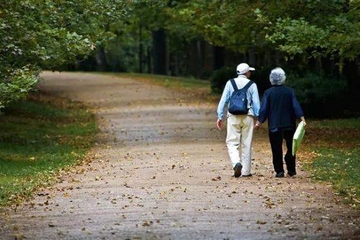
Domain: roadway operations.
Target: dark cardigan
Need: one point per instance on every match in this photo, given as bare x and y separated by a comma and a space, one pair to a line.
280, 106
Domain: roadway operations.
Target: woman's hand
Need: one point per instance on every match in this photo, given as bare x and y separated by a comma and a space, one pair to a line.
303, 119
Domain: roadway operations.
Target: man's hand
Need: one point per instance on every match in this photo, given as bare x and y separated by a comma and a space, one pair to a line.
219, 124
257, 125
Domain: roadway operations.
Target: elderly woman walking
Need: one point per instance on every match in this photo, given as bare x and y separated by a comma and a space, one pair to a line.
281, 108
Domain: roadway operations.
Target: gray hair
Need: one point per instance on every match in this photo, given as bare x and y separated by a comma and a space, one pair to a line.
277, 76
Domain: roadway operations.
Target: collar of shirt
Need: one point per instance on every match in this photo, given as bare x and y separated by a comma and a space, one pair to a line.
242, 76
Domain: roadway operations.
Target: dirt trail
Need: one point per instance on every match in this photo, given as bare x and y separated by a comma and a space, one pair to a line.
161, 171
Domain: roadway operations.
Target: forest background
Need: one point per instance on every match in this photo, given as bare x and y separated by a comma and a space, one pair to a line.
316, 42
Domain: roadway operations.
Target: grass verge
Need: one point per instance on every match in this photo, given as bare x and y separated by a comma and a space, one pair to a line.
335, 145
38, 137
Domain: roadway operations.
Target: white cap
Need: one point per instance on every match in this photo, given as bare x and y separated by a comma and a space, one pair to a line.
243, 68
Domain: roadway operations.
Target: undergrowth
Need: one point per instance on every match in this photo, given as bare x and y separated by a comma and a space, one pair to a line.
336, 158
38, 137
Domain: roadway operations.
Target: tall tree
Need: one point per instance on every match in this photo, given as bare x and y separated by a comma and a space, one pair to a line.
36, 34
317, 28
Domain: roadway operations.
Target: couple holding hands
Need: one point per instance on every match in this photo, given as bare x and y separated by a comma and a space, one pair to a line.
278, 106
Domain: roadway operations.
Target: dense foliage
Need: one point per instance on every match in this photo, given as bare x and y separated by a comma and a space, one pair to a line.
47, 34
182, 38
318, 28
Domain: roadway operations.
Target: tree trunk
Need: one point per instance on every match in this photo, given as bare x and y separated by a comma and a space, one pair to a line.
159, 52
100, 60
218, 56
141, 52
149, 61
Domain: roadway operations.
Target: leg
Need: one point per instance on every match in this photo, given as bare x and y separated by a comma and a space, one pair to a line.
246, 143
289, 158
233, 140
276, 140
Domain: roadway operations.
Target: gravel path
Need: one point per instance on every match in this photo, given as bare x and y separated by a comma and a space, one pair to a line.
161, 171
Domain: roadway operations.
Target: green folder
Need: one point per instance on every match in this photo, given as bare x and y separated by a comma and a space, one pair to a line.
298, 137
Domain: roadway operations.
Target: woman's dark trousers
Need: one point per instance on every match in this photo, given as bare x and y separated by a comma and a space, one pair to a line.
276, 142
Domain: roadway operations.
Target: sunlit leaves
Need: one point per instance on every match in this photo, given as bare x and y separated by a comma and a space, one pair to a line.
295, 36
222, 23
19, 83
48, 34
317, 28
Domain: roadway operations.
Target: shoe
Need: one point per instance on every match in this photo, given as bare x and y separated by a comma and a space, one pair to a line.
237, 170
291, 174
248, 175
280, 175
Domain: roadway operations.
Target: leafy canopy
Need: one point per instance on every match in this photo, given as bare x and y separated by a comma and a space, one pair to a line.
37, 34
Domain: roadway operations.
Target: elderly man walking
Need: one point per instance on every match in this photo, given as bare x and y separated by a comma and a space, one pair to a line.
240, 127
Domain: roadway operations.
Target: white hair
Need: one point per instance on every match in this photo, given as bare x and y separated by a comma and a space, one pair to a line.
277, 76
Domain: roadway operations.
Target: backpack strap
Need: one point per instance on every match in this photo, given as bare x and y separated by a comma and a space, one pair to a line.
248, 84
234, 84
245, 87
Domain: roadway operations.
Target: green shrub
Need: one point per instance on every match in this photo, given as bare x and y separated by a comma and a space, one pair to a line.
321, 96
219, 78
316, 87
261, 77
16, 85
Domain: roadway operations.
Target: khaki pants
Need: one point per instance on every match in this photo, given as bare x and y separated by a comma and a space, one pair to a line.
239, 140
